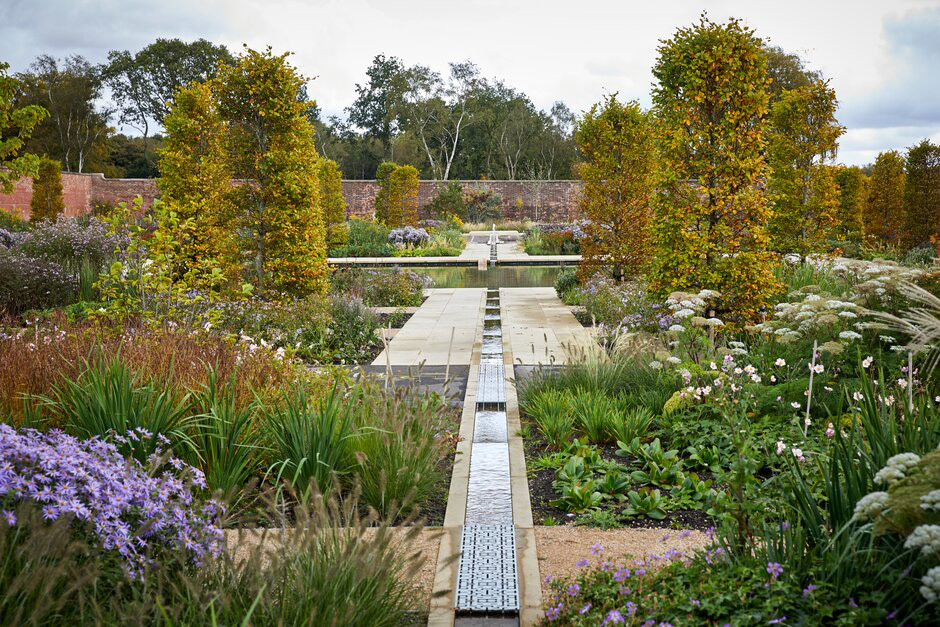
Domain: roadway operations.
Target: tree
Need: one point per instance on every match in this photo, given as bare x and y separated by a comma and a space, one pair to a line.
403, 197
69, 90
922, 195
787, 71
377, 104
195, 181
853, 198
383, 179
270, 142
16, 124
143, 84
334, 205
437, 111
711, 210
46, 202
802, 186
615, 141
884, 215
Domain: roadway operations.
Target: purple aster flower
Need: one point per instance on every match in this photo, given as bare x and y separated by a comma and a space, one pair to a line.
583, 563
774, 569
597, 549
585, 609
573, 589
808, 589
614, 617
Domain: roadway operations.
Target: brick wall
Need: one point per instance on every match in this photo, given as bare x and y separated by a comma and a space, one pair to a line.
543, 201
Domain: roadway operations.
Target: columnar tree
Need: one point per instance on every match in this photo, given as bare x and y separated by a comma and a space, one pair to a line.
334, 204
617, 171
270, 142
711, 208
403, 197
853, 197
884, 215
804, 134
922, 195
47, 201
16, 124
195, 179
382, 178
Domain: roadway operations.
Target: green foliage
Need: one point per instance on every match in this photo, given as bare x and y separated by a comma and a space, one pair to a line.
884, 213
11, 221
402, 197
802, 186
269, 140
922, 195
711, 95
108, 400
617, 171
382, 197
565, 283
853, 199
551, 411
311, 440
227, 439
46, 202
16, 124
395, 287
334, 204
483, 205
449, 202
366, 239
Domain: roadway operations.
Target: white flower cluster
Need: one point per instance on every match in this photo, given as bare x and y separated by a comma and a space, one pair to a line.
931, 588
926, 538
896, 468
931, 501
870, 506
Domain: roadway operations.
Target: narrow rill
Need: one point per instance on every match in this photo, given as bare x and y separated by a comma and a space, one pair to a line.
487, 583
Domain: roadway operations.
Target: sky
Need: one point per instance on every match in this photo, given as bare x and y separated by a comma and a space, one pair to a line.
882, 57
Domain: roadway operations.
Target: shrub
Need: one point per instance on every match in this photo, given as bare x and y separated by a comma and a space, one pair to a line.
449, 202
47, 203
482, 205
30, 283
623, 306
408, 236
403, 197
72, 242
921, 256
11, 221
366, 239
566, 282
380, 287
334, 204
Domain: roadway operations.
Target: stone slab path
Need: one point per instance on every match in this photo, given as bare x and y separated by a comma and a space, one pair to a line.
541, 329
426, 336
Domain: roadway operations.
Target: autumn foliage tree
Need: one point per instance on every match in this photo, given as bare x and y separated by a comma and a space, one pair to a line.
884, 214
383, 179
805, 197
47, 201
195, 179
270, 141
334, 204
853, 198
617, 170
403, 197
711, 209
922, 195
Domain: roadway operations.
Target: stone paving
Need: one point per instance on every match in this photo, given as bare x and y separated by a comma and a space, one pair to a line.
426, 337
541, 329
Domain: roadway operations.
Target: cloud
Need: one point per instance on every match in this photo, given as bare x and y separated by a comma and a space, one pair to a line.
910, 95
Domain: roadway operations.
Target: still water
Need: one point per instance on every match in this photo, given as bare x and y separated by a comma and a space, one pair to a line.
495, 276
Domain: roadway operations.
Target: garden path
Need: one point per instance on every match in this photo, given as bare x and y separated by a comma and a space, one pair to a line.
541, 329
426, 336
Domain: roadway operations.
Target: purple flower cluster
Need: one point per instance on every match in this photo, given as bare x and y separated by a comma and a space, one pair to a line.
69, 241
408, 236
129, 509
9, 239
32, 283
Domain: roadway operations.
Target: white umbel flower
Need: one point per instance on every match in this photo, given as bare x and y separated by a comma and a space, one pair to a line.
931, 501
870, 506
931, 588
896, 468
926, 538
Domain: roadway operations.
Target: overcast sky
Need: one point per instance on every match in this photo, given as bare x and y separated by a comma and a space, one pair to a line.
883, 57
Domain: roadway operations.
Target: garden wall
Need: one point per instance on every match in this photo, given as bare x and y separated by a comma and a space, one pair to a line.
541, 201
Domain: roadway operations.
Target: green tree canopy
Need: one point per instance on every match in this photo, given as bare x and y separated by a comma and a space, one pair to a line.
922, 194
16, 125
